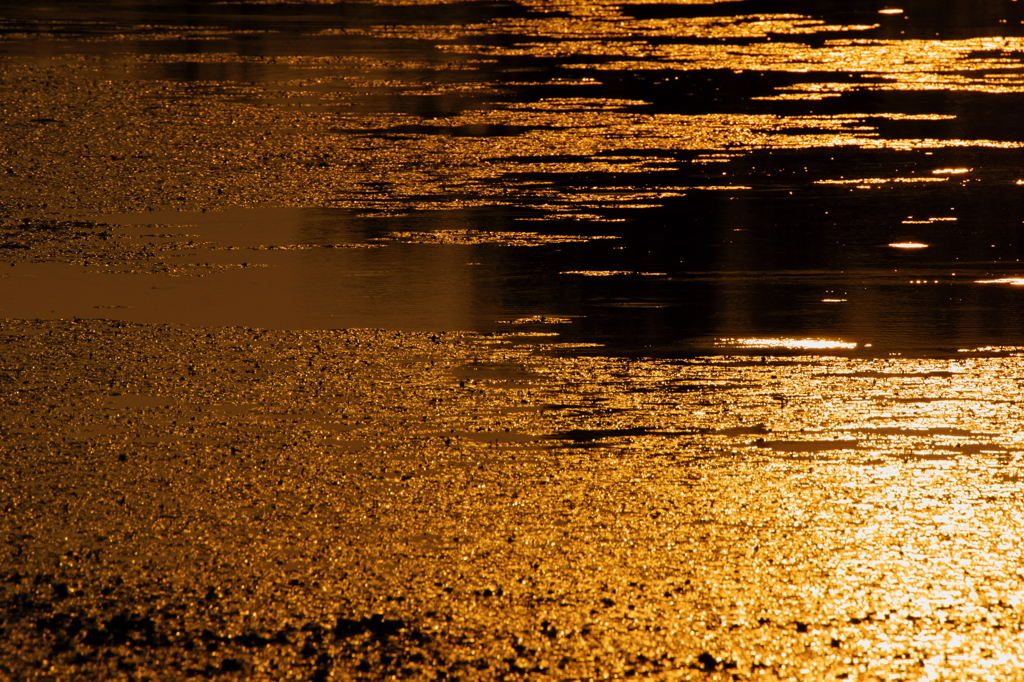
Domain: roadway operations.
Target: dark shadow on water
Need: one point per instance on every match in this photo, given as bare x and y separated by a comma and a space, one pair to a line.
733, 270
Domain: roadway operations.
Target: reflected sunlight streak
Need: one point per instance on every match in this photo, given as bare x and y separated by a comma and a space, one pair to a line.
787, 343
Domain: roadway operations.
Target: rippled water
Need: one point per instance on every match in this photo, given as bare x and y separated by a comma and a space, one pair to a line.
651, 176
818, 203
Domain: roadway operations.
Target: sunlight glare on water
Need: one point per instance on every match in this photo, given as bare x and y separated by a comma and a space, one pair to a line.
734, 289
788, 344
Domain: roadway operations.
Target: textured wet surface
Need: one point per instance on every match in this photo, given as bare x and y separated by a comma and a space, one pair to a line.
511, 340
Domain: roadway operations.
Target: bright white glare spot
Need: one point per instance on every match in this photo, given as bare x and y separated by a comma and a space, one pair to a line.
890, 11
950, 171
833, 300
908, 245
1015, 281
806, 344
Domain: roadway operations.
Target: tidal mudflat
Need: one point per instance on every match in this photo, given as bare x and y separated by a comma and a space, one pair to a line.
513, 340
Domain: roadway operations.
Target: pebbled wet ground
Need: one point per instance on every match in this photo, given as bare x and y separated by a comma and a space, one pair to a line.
729, 387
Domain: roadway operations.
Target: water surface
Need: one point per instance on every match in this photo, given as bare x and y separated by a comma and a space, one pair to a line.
652, 177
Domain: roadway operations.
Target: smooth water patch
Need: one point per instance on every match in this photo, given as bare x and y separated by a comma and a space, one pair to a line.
478, 270
293, 294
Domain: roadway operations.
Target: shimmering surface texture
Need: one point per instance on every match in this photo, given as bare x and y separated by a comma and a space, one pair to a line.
242, 504
761, 155
731, 387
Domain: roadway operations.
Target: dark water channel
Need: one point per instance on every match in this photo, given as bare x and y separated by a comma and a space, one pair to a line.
653, 177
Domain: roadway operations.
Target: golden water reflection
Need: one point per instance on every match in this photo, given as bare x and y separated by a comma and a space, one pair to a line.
1016, 281
786, 504
803, 516
874, 500
789, 344
431, 117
